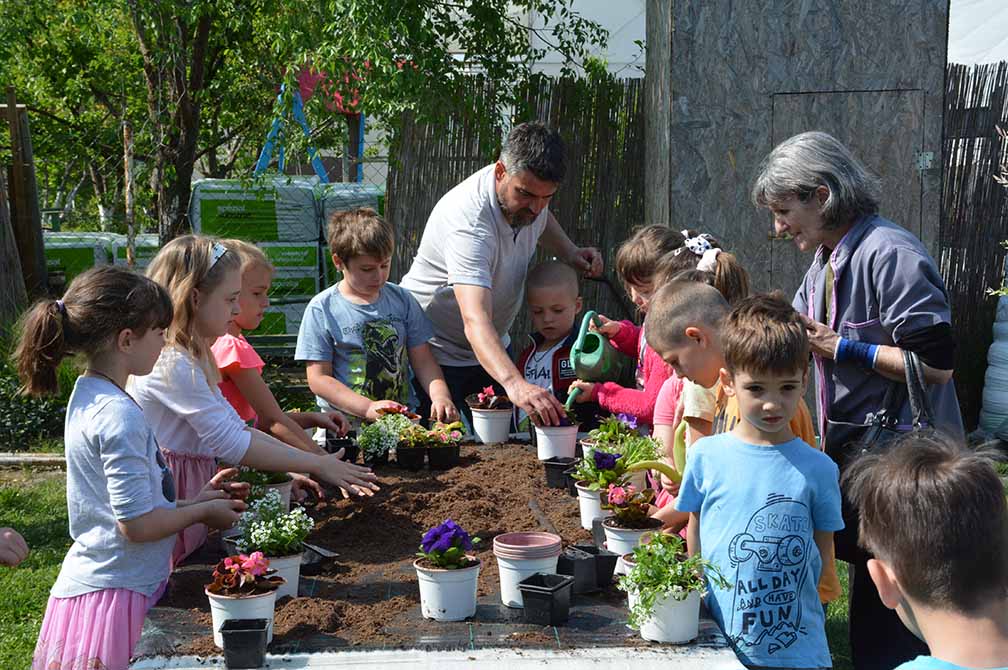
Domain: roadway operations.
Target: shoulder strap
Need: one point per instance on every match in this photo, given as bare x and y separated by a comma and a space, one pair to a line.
920, 402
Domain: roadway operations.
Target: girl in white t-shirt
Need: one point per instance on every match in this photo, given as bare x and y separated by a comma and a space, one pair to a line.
120, 495
194, 424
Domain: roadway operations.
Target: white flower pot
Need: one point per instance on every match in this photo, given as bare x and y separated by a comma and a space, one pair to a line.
492, 426
223, 608
623, 540
513, 570
284, 489
288, 567
556, 441
673, 621
590, 505
447, 595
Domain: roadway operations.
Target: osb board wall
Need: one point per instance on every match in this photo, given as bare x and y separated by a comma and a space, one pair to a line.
865, 66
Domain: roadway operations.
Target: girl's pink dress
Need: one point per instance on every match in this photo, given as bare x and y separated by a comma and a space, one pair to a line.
664, 415
95, 630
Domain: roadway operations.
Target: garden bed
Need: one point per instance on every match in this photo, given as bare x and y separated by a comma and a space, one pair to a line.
368, 597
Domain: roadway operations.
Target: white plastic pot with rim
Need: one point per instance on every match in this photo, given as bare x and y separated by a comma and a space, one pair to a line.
590, 505
623, 540
447, 595
521, 555
672, 621
223, 608
492, 426
556, 441
288, 567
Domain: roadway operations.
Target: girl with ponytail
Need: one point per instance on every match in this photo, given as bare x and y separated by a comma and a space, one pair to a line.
121, 497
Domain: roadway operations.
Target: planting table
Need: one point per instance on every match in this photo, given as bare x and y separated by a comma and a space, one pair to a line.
335, 610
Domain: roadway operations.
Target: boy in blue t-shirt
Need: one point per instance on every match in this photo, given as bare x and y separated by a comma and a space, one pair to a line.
933, 514
360, 337
762, 505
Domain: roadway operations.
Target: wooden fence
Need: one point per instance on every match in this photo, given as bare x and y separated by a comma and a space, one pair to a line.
601, 199
974, 219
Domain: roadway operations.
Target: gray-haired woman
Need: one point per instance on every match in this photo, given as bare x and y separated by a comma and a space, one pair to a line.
871, 291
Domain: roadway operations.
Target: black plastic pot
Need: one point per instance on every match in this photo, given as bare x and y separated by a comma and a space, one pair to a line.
443, 458
571, 489
546, 598
605, 563
411, 458
381, 459
244, 642
555, 471
347, 443
581, 566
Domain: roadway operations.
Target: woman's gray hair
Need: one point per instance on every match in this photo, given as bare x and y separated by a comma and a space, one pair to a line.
801, 164
534, 147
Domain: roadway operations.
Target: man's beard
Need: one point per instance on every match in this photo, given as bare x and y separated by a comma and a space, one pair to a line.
519, 219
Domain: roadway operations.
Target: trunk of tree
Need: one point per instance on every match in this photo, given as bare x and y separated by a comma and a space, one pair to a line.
13, 296
174, 64
105, 208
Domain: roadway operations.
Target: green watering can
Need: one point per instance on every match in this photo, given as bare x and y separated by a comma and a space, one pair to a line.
593, 358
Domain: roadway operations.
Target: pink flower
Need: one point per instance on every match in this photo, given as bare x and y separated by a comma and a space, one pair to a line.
617, 495
456, 435
255, 565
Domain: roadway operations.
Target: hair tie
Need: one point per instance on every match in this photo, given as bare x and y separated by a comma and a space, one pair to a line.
61, 308
699, 244
708, 262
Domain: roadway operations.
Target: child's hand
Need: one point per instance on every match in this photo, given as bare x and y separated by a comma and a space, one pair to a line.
372, 410
300, 485
223, 512
13, 548
605, 326
443, 410
221, 486
334, 421
587, 390
355, 480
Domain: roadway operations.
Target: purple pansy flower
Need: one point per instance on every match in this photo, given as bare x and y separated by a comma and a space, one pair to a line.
605, 461
445, 536
628, 420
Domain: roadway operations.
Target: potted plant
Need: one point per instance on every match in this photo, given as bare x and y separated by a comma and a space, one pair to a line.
243, 587
258, 481
491, 415
612, 430
629, 522
557, 441
664, 588
443, 445
348, 443
378, 438
446, 573
411, 448
278, 535
602, 465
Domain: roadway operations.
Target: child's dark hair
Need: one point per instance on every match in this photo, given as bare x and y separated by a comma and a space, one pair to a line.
764, 334
360, 232
679, 305
934, 510
98, 305
637, 256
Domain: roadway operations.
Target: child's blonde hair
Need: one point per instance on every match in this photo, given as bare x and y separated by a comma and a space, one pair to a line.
251, 256
360, 232
185, 264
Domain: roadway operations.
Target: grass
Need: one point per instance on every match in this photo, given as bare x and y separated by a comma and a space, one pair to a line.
34, 503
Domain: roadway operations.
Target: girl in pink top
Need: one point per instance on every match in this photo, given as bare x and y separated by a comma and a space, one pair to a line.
635, 263
241, 367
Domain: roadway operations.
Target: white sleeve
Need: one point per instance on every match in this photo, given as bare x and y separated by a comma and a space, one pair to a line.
182, 388
470, 250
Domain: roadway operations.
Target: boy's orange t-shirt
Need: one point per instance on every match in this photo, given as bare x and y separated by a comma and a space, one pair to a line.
726, 416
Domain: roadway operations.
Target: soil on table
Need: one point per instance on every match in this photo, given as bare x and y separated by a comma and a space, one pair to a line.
373, 582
